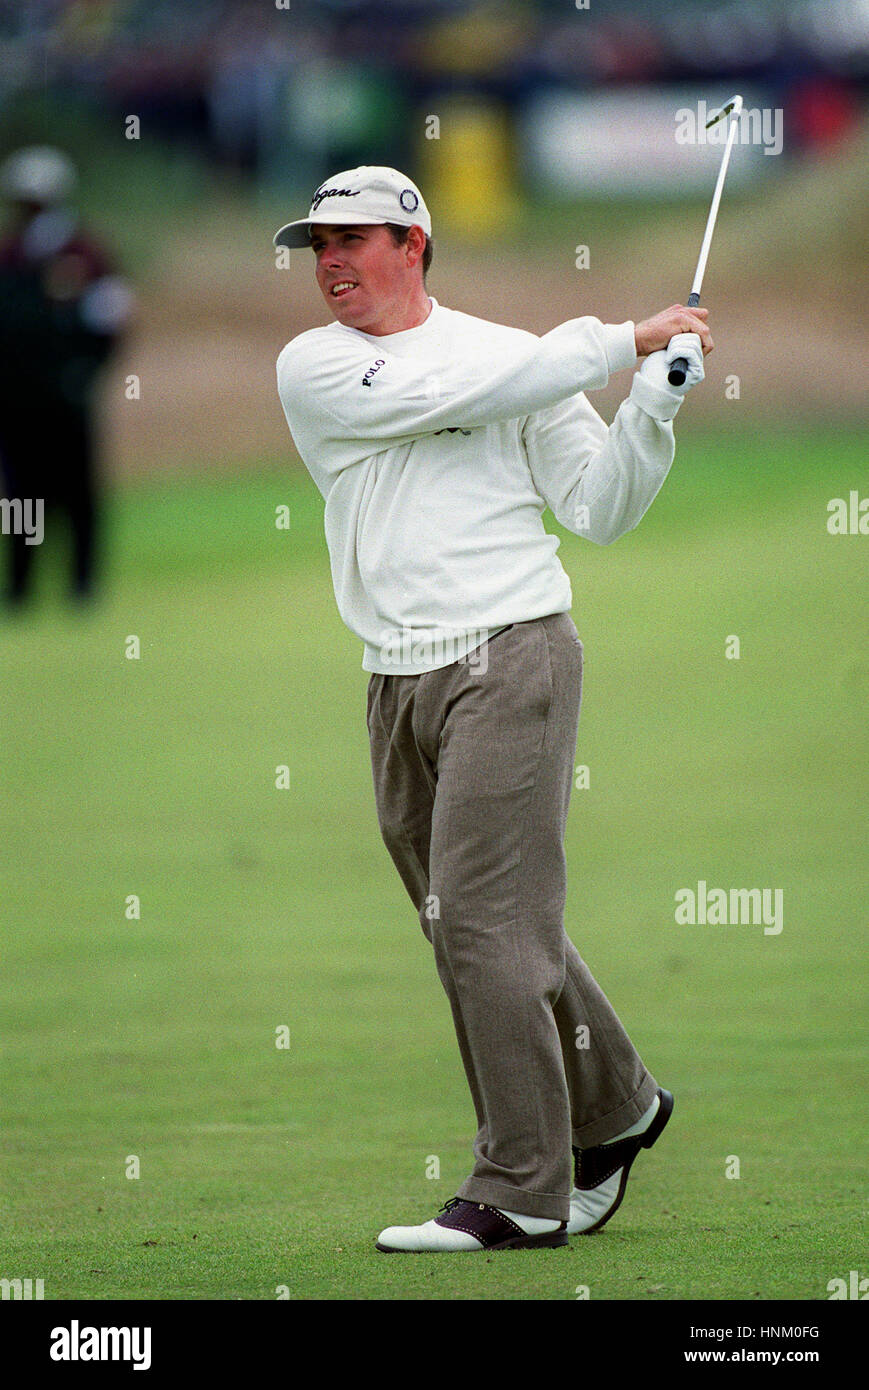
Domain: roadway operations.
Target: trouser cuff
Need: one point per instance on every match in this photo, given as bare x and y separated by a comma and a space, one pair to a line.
600, 1131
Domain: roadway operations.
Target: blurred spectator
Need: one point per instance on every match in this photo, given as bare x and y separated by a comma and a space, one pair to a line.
823, 111
248, 60
62, 310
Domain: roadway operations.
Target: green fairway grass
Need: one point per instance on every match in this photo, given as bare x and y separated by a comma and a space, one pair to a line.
264, 1168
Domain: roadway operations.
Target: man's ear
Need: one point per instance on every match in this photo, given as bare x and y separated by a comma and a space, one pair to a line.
415, 245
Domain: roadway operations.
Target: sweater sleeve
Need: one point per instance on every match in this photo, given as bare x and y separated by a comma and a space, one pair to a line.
598, 481
345, 399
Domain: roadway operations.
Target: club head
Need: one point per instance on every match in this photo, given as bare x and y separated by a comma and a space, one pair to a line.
733, 106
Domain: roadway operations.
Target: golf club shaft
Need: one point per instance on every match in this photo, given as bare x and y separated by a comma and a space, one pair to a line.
679, 366
713, 213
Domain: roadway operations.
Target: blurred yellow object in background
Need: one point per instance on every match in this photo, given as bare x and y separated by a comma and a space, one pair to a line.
487, 36
469, 174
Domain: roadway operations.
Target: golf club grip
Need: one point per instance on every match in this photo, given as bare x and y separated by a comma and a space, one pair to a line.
679, 366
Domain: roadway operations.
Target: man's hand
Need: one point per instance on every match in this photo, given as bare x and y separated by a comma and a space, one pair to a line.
655, 333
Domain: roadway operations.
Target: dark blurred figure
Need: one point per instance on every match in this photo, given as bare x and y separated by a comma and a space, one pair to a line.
62, 310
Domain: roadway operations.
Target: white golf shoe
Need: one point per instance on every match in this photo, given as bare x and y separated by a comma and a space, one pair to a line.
601, 1173
463, 1225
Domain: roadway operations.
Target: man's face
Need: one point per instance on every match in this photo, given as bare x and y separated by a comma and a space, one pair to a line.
364, 277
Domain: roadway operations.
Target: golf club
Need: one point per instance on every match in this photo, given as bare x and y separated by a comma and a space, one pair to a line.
679, 366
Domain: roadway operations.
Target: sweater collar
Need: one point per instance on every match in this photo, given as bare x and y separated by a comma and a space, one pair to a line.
407, 335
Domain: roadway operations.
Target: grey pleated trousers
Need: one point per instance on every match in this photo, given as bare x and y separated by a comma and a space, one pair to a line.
473, 769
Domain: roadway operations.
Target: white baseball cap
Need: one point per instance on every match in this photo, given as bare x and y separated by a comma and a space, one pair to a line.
39, 174
372, 194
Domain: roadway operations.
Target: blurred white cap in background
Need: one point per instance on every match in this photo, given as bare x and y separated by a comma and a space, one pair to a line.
39, 174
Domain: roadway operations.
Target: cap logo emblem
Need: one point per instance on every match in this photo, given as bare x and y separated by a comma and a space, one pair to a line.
408, 199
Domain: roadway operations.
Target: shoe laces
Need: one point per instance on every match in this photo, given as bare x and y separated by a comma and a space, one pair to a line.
453, 1202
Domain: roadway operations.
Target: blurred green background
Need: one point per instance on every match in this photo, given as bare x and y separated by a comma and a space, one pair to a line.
262, 908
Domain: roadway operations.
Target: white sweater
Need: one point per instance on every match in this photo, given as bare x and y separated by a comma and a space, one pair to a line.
438, 448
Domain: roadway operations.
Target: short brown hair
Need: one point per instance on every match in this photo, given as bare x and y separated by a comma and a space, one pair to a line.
399, 236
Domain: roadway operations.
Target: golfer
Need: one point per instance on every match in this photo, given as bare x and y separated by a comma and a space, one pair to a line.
437, 440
